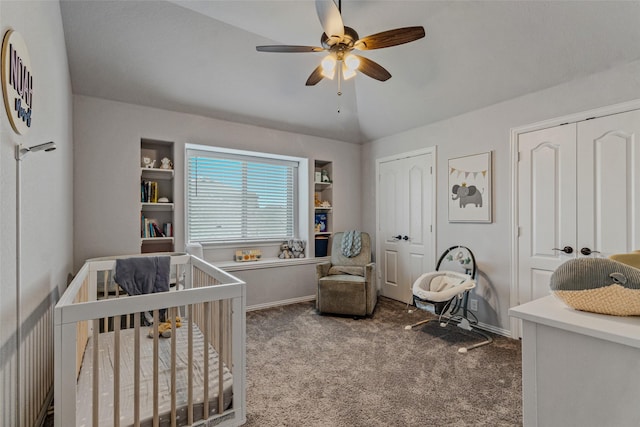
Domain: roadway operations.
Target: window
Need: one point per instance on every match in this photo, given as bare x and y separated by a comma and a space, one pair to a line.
240, 196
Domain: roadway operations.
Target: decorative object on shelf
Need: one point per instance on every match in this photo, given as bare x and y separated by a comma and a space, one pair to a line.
163, 200
297, 248
316, 200
244, 255
166, 163
148, 163
318, 177
470, 187
285, 251
321, 223
325, 176
325, 204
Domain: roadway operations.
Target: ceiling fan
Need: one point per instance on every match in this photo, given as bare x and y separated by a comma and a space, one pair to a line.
340, 41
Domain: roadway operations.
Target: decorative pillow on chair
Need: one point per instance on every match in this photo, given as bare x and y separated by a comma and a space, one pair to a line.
598, 285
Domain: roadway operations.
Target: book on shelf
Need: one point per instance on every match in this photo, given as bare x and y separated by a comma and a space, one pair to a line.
150, 228
149, 192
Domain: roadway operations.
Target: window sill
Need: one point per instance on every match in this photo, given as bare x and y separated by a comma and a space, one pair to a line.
265, 263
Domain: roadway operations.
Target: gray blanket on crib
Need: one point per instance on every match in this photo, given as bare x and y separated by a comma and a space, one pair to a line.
143, 275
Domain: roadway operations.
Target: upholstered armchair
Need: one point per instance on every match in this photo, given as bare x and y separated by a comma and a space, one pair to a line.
347, 285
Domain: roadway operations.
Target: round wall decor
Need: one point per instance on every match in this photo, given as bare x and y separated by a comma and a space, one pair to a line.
17, 81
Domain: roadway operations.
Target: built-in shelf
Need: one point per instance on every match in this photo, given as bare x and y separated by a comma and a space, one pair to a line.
156, 173
157, 240
156, 218
322, 215
157, 207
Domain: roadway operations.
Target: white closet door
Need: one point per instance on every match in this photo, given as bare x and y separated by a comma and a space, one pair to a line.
405, 222
608, 184
546, 206
577, 189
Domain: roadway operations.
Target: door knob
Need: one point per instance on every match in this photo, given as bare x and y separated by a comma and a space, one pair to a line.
405, 238
566, 249
587, 251
398, 237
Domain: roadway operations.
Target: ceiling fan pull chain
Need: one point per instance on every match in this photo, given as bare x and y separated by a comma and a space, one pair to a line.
339, 79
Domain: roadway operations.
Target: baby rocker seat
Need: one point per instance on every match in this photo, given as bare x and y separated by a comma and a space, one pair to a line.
446, 292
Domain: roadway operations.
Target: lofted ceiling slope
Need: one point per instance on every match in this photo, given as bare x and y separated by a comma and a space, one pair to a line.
199, 57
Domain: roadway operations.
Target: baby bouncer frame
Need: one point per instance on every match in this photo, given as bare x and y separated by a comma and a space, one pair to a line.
451, 308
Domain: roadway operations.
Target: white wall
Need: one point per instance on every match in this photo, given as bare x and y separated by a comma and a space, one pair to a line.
107, 138
46, 217
485, 130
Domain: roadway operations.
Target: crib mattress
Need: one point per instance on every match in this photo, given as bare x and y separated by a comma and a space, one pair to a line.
105, 360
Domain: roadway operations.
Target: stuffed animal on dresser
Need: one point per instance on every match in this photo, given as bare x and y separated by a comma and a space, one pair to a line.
598, 285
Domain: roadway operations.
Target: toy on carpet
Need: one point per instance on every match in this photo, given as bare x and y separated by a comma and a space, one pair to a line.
598, 285
164, 328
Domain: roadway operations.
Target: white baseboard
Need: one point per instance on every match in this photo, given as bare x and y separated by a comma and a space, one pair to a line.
281, 303
494, 329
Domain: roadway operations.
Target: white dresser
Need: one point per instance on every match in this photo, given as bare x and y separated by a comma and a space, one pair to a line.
578, 369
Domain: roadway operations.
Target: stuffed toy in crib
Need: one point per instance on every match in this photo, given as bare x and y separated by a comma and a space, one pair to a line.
600, 285
164, 328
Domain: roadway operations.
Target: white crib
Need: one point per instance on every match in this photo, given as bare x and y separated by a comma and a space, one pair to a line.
108, 371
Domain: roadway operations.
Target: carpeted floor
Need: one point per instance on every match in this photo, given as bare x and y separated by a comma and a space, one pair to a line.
306, 369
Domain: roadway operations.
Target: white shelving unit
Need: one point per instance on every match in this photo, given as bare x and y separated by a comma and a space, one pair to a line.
323, 206
151, 210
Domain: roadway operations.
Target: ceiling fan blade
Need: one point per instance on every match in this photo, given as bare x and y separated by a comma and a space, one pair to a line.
390, 38
330, 19
373, 69
315, 77
287, 48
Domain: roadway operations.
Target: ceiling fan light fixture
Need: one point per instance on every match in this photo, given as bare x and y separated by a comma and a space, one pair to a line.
328, 67
352, 62
347, 72
349, 66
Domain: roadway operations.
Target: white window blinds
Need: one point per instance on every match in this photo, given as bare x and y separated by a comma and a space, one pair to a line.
233, 197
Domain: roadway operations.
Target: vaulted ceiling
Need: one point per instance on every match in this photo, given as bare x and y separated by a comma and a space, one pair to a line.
199, 57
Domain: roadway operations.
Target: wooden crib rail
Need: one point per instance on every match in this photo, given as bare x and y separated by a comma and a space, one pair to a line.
212, 300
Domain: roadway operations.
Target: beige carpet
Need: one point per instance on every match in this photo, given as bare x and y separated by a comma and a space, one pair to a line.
306, 369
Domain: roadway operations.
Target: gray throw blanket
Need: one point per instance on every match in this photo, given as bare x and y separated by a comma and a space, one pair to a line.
144, 275
351, 243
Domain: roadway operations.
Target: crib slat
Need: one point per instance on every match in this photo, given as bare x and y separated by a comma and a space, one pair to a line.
190, 365
221, 350
116, 371
207, 316
136, 369
96, 373
105, 295
174, 332
156, 419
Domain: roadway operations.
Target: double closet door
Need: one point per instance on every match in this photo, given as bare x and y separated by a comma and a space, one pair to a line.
578, 195
405, 233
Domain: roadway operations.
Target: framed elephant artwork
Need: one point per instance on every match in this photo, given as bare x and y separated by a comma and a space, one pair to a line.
469, 192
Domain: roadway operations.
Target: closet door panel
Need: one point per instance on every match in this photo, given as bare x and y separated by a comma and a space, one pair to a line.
546, 206
608, 183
